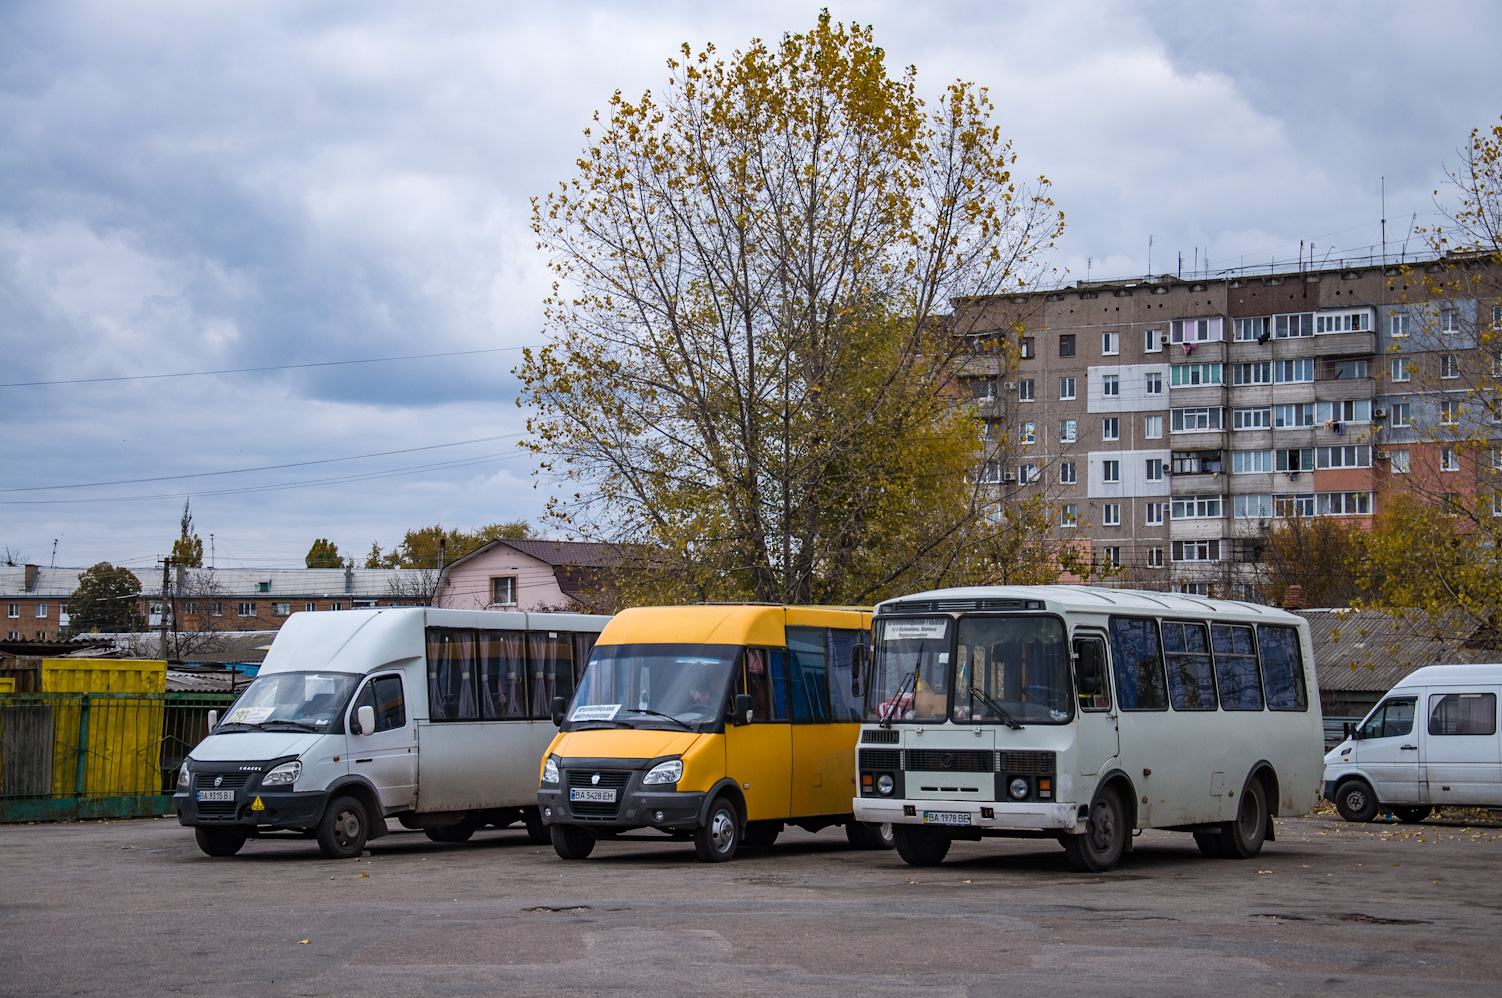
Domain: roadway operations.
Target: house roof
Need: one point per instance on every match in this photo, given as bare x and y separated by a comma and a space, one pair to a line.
576, 564
228, 582
1369, 651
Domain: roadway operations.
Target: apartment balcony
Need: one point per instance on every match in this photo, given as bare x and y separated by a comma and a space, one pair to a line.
1202, 483
1213, 352
1199, 440
1345, 344
1196, 396
1339, 389
982, 367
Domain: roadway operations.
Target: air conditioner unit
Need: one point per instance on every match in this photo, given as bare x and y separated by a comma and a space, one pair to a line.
1011, 386
1382, 455
1010, 476
1379, 413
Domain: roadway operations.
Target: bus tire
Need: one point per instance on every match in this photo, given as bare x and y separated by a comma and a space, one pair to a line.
1356, 801
462, 832
868, 835
1412, 815
218, 841
570, 842
919, 846
1243, 838
717, 840
762, 834
537, 832
343, 828
1099, 847
1209, 843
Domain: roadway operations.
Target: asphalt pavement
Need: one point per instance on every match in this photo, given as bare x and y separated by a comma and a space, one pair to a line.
132, 907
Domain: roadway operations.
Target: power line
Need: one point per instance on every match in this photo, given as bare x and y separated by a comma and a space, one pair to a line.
251, 370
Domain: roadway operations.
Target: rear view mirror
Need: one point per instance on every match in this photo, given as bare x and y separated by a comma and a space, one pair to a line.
213, 719
745, 709
559, 706
366, 717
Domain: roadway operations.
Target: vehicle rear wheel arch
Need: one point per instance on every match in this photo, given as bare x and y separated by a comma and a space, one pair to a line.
1263, 772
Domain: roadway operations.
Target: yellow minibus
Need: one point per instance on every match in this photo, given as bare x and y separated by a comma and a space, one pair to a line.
718, 723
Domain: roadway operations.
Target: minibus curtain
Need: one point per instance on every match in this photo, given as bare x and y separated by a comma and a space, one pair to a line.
1282, 668
451, 663
584, 644
840, 648
550, 658
502, 664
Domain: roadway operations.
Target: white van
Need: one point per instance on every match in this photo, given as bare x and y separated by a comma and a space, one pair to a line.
1431, 742
438, 718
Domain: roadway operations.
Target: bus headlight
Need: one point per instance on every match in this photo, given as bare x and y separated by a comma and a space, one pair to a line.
886, 784
287, 772
664, 772
550, 770
1018, 788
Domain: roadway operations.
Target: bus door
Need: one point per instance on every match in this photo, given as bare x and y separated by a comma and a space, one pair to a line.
1097, 739
759, 755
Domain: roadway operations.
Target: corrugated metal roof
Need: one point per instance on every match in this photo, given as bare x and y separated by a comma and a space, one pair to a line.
233, 582
1369, 651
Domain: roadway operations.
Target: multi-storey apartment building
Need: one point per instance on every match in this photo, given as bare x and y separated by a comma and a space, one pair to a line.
1173, 421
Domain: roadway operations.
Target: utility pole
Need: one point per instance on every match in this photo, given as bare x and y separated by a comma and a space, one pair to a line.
162, 623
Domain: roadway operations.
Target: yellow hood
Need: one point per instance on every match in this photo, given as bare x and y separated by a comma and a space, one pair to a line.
619, 743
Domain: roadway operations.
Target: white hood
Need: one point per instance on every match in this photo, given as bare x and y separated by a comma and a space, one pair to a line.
253, 746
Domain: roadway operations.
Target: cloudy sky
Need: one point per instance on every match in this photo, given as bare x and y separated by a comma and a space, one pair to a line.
210, 187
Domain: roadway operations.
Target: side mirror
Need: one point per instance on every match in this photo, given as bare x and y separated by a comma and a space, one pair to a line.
366, 716
745, 709
213, 719
559, 706
857, 670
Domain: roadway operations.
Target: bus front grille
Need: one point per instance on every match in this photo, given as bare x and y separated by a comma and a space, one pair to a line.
1026, 763
950, 760
885, 736
873, 759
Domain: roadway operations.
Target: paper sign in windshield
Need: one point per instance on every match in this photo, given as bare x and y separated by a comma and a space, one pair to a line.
914, 630
600, 712
248, 715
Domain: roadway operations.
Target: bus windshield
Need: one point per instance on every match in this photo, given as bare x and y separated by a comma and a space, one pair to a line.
294, 700
1011, 670
652, 685
909, 670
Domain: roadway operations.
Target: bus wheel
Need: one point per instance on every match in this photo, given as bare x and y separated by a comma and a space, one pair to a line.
1243, 838
1355, 801
1412, 815
453, 833
1209, 843
762, 834
720, 836
1099, 848
571, 843
867, 835
343, 828
537, 832
919, 846
218, 841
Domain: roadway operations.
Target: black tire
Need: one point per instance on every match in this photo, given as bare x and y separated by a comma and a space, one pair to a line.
1100, 846
1209, 843
462, 832
919, 845
761, 834
1412, 815
570, 842
1243, 838
537, 832
866, 835
717, 840
1356, 801
343, 828
218, 841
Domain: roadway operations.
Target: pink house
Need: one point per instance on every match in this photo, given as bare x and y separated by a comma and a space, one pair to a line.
524, 575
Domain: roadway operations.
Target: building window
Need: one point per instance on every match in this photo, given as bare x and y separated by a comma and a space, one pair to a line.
1497, 316
216, 609
1110, 385
1449, 320
1288, 372
1344, 370
1154, 557
1249, 462
1497, 504
1193, 375
1029, 433
503, 590
1449, 459
1449, 366
1208, 550
263, 587
1257, 373
362, 604
1153, 342
1066, 431
1066, 389
1196, 462
1253, 329
1293, 505
1110, 428
1155, 469
247, 609
190, 608
1069, 515
1400, 464
310, 607
13, 636
1066, 344
1025, 390
1193, 588
13, 610
1252, 507
1027, 473
1110, 344
1113, 557
1449, 413
1355, 456
1286, 327
336, 605
1399, 326
1295, 458
1344, 322
1290, 416
1156, 512
1401, 414
1189, 330
990, 472
1252, 419
1344, 503
1196, 420
41, 610
1027, 351
1111, 514
1197, 508
1152, 427
1349, 411
1068, 473
1111, 472
281, 609
1155, 382
1400, 369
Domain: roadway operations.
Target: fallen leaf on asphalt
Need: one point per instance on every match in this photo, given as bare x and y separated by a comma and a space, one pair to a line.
366, 874
303, 942
1264, 871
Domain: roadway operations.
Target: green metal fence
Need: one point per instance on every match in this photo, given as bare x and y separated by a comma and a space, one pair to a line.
65, 756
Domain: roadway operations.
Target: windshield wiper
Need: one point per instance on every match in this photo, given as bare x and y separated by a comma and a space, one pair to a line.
296, 725
658, 713
1007, 719
886, 722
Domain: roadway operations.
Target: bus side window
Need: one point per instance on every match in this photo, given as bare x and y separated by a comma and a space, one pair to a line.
758, 683
809, 671
843, 704
777, 662
1140, 682
1090, 674
1282, 668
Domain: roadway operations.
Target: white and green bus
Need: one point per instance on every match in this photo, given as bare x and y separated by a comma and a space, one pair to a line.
1080, 714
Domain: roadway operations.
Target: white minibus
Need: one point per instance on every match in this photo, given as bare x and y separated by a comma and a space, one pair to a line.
435, 717
1451, 758
1081, 713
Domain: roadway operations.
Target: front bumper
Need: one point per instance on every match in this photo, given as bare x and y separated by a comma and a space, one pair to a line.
637, 808
276, 810
998, 815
